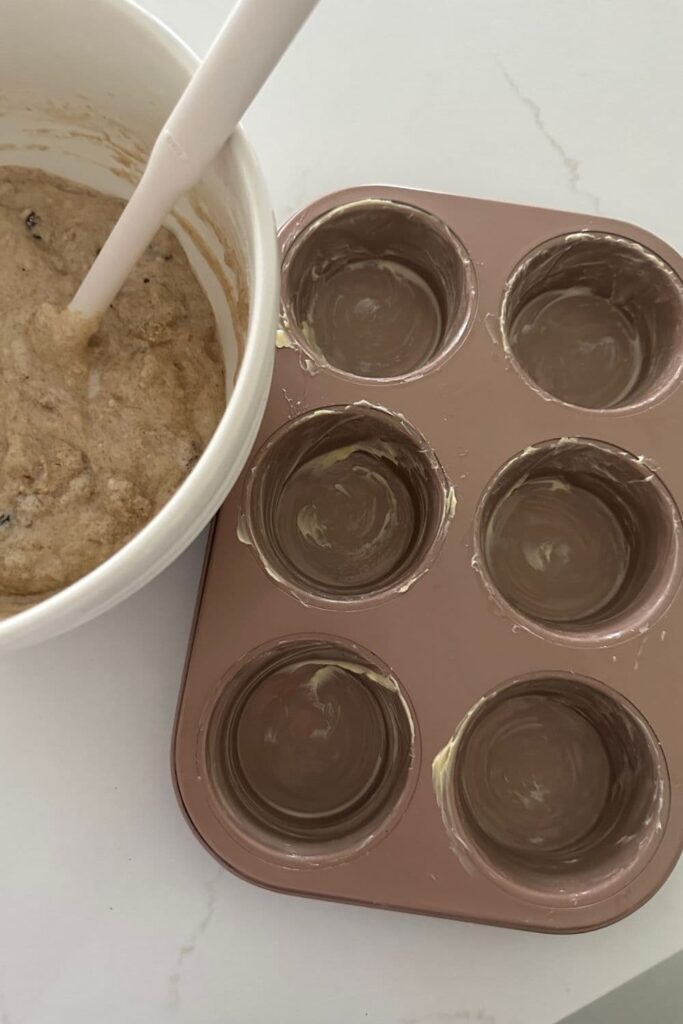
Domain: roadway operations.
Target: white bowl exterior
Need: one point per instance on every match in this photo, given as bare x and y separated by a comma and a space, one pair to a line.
68, 69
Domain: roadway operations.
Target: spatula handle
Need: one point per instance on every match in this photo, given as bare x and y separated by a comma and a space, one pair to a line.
246, 50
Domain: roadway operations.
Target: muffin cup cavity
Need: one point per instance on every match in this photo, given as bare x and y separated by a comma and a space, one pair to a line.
556, 788
377, 289
596, 321
346, 504
308, 750
579, 541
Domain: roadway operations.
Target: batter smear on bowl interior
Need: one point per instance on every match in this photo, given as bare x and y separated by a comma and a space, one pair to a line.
99, 423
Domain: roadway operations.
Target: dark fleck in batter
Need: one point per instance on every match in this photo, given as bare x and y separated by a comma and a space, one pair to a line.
97, 430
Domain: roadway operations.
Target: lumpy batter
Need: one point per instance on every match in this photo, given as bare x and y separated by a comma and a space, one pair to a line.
97, 430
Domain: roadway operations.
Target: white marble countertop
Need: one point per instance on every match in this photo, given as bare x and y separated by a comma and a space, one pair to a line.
110, 910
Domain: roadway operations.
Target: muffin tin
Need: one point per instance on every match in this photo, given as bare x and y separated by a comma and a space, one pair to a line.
434, 665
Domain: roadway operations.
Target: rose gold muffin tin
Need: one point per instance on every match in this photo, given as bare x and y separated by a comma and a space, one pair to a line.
435, 659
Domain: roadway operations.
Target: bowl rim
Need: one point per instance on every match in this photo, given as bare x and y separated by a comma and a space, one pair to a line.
186, 513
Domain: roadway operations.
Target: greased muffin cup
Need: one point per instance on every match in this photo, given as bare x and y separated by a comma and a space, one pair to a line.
434, 660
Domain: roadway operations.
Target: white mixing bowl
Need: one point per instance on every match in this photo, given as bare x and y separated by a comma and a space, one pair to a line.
85, 86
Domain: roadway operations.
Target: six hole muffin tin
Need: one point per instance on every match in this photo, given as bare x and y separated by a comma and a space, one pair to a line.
434, 661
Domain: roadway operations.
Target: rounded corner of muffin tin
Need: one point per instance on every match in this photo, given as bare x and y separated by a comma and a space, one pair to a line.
501, 826
647, 289
239, 803
434, 255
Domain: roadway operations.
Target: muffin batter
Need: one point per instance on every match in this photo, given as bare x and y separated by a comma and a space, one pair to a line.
99, 424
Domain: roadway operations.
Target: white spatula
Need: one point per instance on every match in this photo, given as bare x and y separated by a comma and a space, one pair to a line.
240, 60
